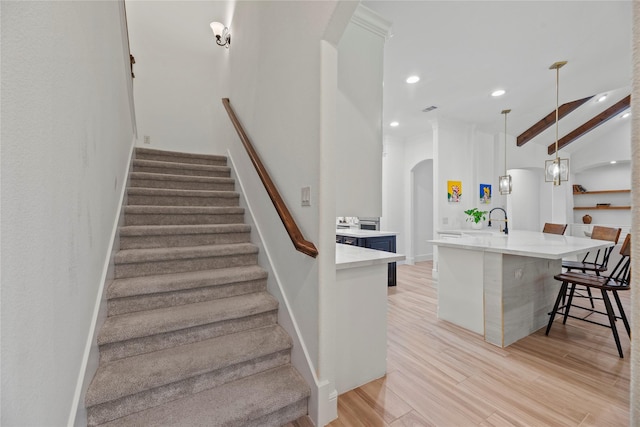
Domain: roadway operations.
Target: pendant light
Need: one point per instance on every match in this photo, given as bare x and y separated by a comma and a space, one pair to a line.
504, 182
557, 170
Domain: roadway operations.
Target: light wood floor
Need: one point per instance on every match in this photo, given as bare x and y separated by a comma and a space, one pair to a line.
441, 375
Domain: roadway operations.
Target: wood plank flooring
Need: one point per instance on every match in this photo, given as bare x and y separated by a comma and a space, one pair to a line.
441, 375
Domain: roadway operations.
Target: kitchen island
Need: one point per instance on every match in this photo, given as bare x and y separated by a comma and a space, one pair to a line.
361, 279
502, 286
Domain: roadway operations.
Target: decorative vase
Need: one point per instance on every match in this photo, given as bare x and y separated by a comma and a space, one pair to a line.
586, 219
476, 225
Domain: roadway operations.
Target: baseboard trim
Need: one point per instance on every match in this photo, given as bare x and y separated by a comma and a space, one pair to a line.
423, 257
328, 404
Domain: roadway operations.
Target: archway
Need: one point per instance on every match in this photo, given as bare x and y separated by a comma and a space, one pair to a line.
422, 211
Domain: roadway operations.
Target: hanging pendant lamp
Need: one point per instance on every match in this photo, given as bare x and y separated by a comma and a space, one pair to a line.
557, 170
504, 182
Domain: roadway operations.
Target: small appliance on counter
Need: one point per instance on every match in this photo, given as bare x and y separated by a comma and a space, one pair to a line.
369, 223
346, 222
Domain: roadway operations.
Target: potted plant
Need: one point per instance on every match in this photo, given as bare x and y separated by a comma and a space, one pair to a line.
475, 216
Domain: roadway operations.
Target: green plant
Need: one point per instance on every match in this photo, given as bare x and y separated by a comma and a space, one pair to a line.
476, 215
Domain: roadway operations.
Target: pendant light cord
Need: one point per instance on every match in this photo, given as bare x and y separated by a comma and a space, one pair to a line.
505, 112
505, 142
557, 108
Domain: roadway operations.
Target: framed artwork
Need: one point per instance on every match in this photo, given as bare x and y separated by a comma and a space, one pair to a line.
454, 191
485, 193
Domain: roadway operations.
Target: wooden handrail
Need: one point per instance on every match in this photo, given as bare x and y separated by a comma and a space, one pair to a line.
290, 225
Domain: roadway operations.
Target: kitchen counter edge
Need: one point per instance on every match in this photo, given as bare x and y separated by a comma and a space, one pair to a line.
348, 256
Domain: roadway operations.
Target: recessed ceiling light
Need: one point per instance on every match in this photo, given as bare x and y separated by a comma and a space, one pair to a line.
625, 115
602, 98
394, 124
613, 162
413, 79
498, 92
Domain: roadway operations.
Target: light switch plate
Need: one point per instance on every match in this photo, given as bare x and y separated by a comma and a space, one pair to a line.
305, 196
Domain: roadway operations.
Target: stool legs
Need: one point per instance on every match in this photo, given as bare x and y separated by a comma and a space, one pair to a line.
568, 305
611, 314
612, 320
622, 314
552, 315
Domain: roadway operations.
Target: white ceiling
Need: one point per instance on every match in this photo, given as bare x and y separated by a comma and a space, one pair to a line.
463, 50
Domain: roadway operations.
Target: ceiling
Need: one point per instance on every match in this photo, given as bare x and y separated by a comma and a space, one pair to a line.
464, 50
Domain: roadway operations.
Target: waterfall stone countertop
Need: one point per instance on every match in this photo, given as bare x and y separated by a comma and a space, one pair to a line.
518, 242
348, 256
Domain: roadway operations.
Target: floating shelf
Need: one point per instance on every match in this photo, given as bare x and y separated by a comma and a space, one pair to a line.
602, 192
584, 208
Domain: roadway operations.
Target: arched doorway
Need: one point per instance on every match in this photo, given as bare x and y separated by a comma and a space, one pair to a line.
422, 211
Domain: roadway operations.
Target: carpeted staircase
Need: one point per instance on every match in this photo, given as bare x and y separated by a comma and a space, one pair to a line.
191, 337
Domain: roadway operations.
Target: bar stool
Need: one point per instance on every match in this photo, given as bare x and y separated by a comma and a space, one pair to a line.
618, 280
601, 259
551, 228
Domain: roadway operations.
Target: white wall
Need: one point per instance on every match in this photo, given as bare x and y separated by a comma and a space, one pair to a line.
524, 201
606, 177
275, 92
634, 399
422, 211
180, 74
66, 138
393, 195
612, 145
463, 154
359, 117
528, 156
275, 83
398, 190
416, 150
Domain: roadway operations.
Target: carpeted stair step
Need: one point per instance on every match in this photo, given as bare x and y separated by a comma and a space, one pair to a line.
165, 290
157, 236
164, 197
145, 262
176, 157
191, 336
268, 399
154, 166
136, 383
150, 330
182, 215
180, 182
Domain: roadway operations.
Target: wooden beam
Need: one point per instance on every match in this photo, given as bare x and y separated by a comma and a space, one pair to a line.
549, 120
607, 114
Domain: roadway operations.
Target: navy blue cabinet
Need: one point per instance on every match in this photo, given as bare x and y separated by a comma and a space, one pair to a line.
379, 243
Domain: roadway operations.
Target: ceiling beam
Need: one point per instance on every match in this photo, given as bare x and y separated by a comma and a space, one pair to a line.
607, 114
549, 120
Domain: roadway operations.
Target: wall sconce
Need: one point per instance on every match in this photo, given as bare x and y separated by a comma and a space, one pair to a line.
504, 182
221, 33
557, 170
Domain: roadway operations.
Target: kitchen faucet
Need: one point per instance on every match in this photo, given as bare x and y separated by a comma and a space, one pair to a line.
506, 228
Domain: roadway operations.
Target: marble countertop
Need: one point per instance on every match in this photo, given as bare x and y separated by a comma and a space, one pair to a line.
364, 233
523, 243
348, 256
469, 231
